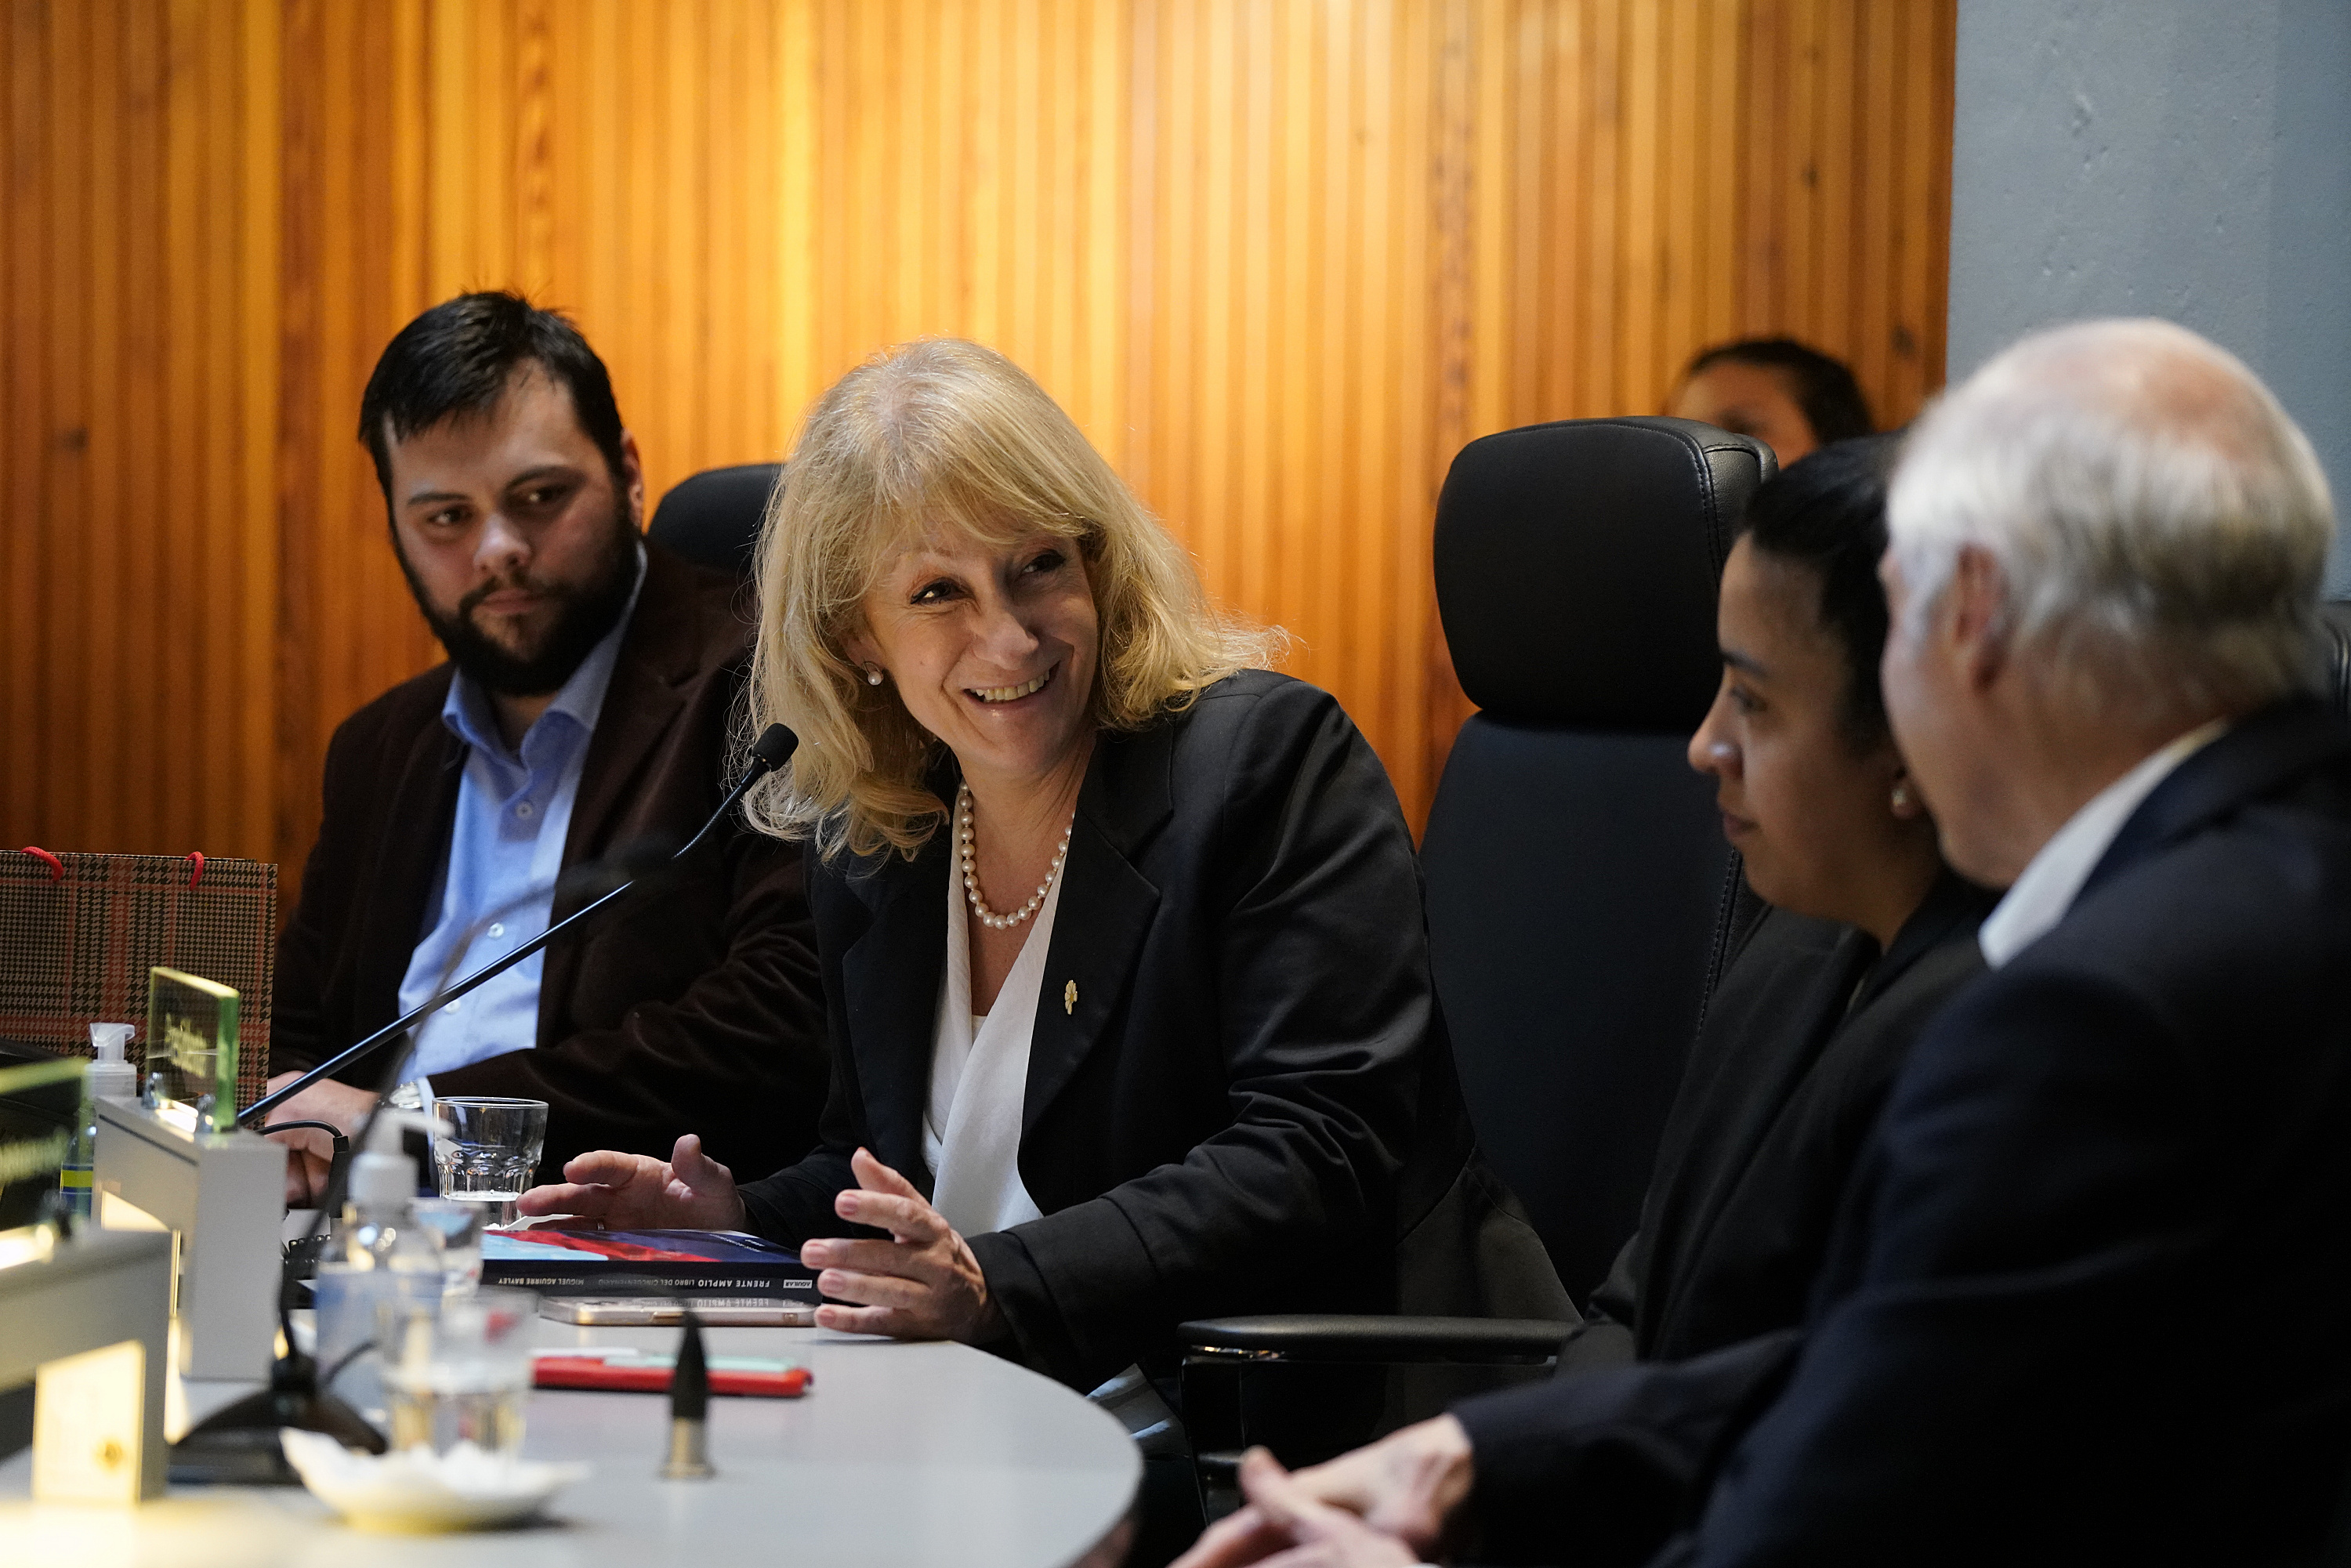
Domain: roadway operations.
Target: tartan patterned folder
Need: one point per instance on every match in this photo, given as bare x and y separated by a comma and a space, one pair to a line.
75, 948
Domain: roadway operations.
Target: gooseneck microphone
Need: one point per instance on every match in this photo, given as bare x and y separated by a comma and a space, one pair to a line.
239, 1443
770, 751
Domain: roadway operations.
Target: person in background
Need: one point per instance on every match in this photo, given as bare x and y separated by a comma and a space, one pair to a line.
1790, 397
1863, 934
584, 707
1129, 986
2105, 556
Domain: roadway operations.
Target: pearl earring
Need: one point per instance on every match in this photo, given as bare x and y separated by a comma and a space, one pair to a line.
873, 674
1902, 797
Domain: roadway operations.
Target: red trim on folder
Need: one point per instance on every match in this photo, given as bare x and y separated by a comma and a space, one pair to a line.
595, 1372
57, 866
603, 1247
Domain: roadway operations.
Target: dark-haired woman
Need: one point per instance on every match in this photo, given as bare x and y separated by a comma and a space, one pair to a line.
1860, 937
1857, 934
1790, 397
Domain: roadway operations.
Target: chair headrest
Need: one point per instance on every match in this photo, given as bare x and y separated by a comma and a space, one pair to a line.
2335, 628
712, 518
1577, 564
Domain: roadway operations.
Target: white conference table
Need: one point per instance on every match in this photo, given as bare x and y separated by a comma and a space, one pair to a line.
901, 1454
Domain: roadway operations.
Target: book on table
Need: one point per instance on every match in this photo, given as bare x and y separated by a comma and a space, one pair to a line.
681, 1263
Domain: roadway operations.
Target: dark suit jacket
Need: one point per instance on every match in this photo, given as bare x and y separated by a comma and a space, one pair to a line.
1251, 1104
2140, 1123
696, 1009
1801, 1042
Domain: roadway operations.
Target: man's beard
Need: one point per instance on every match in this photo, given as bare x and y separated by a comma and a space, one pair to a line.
583, 615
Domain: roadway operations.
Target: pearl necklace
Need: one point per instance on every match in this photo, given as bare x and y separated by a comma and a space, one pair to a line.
987, 916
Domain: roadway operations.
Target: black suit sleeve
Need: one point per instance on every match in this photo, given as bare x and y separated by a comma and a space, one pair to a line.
1981, 1338
796, 1202
2000, 1342
1601, 1468
1323, 1008
1607, 1338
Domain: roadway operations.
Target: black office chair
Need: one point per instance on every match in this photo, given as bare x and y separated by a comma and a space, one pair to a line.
2337, 627
712, 518
1579, 891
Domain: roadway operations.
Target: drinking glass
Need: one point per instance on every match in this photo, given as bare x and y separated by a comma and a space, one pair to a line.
458, 1371
488, 1154
459, 1226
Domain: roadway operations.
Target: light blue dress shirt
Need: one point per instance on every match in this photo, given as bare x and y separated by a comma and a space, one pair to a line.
514, 812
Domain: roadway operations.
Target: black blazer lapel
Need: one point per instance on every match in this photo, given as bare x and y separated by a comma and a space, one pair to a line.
1105, 911
890, 981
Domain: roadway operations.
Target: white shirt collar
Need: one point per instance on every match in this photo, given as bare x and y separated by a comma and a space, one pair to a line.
2041, 896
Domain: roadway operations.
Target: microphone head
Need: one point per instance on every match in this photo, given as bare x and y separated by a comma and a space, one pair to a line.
774, 748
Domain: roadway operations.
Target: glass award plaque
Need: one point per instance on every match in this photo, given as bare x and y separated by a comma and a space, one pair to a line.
191, 1047
40, 1106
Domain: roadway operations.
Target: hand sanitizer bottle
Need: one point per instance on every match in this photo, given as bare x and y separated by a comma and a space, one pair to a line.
379, 1254
108, 1073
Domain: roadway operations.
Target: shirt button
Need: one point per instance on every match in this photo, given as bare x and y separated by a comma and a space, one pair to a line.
496, 929
523, 808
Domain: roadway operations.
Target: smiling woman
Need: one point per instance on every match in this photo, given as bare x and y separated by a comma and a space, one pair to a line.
1121, 939
915, 471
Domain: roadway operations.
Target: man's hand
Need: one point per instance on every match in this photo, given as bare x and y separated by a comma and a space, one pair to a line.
689, 1191
312, 1152
1286, 1525
1404, 1487
921, 1283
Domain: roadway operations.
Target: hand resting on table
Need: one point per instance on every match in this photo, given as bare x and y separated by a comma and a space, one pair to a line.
688, 1191
1393, 1501
920, 1281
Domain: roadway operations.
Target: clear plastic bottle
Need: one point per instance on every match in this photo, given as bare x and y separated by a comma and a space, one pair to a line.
379, 1252
108, 1073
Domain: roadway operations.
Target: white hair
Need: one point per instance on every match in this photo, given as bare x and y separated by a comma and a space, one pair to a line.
2160, 525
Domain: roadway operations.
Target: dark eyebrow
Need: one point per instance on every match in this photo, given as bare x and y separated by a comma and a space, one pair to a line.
544, 471
1745, 663
529, 475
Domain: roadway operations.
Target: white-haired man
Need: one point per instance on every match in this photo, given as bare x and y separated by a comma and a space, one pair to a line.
2106, 548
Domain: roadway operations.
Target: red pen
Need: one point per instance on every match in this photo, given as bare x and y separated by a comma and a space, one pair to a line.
595, 1372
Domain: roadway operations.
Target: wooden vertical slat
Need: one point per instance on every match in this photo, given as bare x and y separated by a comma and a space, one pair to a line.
24, 413
1278, 257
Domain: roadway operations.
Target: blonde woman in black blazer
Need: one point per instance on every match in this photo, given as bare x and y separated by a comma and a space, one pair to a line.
1199, 1070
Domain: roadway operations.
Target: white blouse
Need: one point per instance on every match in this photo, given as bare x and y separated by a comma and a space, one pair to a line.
980, 1079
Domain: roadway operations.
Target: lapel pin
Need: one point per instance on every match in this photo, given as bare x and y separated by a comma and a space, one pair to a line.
1069, 997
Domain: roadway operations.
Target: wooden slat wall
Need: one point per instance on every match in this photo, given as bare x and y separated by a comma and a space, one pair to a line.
1280, 258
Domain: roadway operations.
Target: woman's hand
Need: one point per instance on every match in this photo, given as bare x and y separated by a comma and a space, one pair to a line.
1404, 1487
921, 1283
689, 1191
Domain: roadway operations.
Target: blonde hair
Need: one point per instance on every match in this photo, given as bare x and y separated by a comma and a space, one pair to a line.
947, 432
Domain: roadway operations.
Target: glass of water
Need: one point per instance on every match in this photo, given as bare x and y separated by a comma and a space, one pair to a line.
458, 1371
459, 1226
487, 1156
